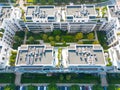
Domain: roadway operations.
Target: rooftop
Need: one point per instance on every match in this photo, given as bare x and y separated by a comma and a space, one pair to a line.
81, 11
114, 11
86, 55
5, 12
34, 55
39, 12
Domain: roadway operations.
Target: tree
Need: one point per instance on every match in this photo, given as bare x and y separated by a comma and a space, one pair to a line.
74, 87
57, 32
90, 36
31, 40
57, 38
9, 87
31, 87
68, 77
111, 87
52, 86
61, 77
50, 38
52, 43
17, 39
51, 2
43, 2
97, 87
96, 42
79, 36
44, 37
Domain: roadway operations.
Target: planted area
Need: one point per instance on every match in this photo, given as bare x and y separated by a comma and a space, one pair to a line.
6, 1
18, 39
102, 39
12, 58
113, 78
59, 2
59, 78
59, 36
9, 87
7, 77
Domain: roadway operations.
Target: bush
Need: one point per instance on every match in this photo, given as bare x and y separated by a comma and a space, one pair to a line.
68, 77
74, 87
9, 87
61, 77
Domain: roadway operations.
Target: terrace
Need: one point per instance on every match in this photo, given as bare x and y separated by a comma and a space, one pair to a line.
5, 12
35, 55
85, 55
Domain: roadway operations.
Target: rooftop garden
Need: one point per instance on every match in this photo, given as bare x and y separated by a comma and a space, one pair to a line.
59, 78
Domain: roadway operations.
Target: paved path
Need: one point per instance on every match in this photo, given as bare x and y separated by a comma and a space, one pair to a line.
25, 37
103, 79
18, 79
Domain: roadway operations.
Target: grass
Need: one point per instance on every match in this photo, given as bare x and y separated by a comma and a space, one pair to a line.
7, 77
55, 78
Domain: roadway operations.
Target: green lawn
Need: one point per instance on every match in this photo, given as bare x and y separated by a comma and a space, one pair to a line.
113, 78
55, 78
7, 77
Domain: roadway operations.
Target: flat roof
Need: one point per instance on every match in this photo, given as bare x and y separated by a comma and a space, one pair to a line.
85, 55
82, 10
34, 55
113, 12
5, 12
48, 10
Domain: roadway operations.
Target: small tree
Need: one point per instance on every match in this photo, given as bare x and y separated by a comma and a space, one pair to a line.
90, 36
52, 43
57, 32
79, 36
97, 87
74, 87
57, 38
9, 87
50, 38
61, 77
68, 77
96, 42
31, 40
44, 37
31, 87
52, 86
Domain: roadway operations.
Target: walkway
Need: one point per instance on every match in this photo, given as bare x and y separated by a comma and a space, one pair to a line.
25, 37
103, 79
18, 79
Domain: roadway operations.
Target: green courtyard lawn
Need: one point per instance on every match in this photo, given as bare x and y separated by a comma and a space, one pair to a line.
7, 78
113, 78
59, 78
